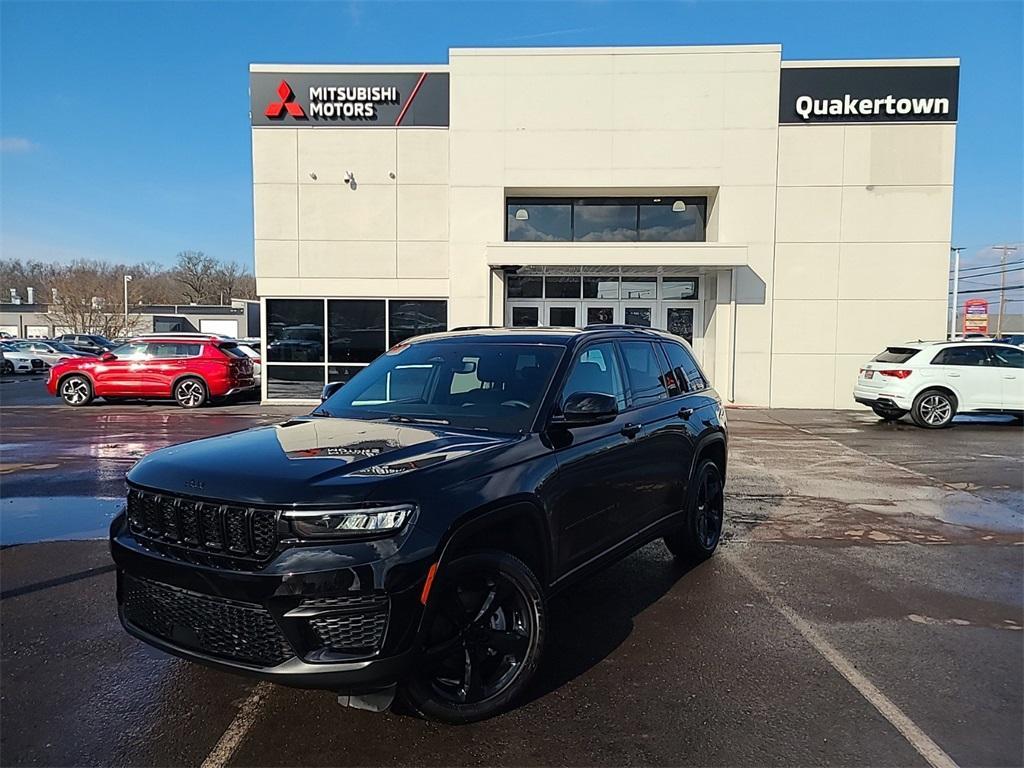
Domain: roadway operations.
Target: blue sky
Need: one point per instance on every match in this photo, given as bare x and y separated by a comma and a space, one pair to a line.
125, 129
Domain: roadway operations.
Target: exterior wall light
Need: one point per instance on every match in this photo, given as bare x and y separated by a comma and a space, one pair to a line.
522, 215
678, 206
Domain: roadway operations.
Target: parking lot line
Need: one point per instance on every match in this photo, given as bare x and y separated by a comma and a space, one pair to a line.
235, 733
917, 738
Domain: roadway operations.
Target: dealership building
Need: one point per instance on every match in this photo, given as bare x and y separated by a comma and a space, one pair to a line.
788, 218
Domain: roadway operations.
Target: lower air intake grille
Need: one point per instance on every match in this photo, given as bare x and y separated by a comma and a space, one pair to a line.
350, 624
211, 625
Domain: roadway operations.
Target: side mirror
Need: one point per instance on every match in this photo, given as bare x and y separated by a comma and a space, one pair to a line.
583, 409
108, 356
330, 388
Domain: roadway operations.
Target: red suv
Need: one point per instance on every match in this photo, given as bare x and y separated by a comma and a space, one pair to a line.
191, 371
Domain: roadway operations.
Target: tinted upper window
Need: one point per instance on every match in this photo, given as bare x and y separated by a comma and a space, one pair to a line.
410, 317
596, 369
1007, 357
295, 330
684, 372
355, 330
167, 349
895, 355
606, 219
965, 355
644, 372
496, 387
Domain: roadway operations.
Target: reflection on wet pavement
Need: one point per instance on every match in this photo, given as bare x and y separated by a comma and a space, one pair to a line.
27, 519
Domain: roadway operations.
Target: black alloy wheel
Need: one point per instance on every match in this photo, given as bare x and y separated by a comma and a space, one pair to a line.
698, 536
482, 639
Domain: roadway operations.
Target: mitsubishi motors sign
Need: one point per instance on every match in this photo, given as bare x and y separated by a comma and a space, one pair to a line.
348, 100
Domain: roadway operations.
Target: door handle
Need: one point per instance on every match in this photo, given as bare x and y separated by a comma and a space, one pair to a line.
631, 430
685, 413
954, 375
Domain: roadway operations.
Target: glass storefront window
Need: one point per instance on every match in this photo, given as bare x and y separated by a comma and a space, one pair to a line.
561, 287
606, 219
295, 330
603, 222
294, 382
600, 315
408, 318
525, 317
524, 286
663, 222
342, 372
675, 289
640, 288
355, 330
539, 221
600, 287
640, 316
562, 317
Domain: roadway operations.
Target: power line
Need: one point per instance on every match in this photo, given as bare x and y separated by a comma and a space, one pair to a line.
989, 274
989, 266
995, 289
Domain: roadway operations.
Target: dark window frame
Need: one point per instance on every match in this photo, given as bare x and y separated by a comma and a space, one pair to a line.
631, 402
572, 202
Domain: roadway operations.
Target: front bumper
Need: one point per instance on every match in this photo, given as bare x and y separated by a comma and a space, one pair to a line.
289, 601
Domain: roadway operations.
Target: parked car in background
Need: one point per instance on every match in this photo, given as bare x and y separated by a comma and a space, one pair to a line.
934, 381
257, 361
20, 362
1017, 339
409, 532
191, 371
86, 342
50, 352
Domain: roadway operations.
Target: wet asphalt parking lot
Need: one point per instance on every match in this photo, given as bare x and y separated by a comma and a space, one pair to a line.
866, 608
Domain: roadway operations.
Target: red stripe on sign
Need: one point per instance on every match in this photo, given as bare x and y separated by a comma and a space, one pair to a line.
398, 120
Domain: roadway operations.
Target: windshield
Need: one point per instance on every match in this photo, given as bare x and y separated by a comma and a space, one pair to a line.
494, 387
61, 347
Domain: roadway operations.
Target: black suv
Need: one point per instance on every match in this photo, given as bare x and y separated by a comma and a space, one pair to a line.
408, 532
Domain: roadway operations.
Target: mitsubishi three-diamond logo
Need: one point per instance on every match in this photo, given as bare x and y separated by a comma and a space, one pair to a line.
287, 102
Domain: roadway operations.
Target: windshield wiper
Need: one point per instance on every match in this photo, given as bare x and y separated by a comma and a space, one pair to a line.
416, 420
321, 412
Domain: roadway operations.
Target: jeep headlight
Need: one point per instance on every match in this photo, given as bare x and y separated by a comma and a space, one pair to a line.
322, 524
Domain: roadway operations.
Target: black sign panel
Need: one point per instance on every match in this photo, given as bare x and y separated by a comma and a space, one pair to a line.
869, 94
348, 100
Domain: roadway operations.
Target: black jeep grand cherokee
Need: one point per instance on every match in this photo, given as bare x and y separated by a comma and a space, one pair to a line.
409, 531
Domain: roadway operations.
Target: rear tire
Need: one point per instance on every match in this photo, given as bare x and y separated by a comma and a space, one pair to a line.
888, 414
76, 391
190, 392
483, 637
698, 537
934, 409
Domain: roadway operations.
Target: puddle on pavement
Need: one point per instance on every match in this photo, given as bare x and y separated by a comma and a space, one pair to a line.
26, 519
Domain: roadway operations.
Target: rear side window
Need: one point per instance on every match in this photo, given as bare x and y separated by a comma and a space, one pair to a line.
685, 374
1007, 357
643, 370
232, 350
895, 355
965, 355
164, 350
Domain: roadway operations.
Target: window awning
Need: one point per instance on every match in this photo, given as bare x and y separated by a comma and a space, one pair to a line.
690, 255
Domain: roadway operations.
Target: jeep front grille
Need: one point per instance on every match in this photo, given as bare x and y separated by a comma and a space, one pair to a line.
201, 526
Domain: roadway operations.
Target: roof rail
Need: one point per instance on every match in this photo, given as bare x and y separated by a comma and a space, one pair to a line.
616, 327
474, 327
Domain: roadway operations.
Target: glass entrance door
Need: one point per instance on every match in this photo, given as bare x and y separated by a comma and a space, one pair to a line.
683, 318
524, 314
562, 314
640, 313
600, 312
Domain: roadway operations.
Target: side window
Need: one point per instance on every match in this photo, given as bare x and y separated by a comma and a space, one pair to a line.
132, 351
1007, 357
164, 351
684, 369
596, 369
965, 355
189, 350
643, 369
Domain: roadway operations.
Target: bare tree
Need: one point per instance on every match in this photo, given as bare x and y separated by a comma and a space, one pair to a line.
196, 272
88, 299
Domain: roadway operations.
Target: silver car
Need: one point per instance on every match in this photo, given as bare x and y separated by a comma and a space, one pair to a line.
50, 352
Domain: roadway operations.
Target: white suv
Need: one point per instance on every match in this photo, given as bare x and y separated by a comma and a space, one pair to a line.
935, 380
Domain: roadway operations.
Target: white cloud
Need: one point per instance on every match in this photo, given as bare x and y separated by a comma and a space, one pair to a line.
17, 145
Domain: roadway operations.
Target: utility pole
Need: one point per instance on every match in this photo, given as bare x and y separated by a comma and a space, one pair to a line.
956, 290
127, 279
1004, 249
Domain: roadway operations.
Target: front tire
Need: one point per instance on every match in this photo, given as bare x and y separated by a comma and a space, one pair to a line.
8, 368
483, 636
934, 409
698, 537
888, 414
190, 392
76, 391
